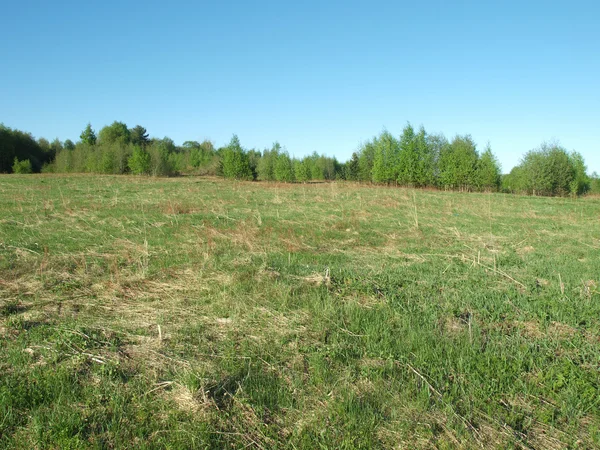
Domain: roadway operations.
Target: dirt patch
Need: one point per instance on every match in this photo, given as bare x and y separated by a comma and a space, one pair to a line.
453, 326
530, 329
190, 402
561, 330
525, 250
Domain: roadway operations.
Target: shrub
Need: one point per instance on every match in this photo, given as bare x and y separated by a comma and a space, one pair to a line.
139, 163
22, 166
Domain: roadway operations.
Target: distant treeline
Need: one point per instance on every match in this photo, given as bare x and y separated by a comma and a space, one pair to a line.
414, 159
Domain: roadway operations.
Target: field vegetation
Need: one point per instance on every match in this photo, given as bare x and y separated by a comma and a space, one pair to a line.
198, 312
414, 159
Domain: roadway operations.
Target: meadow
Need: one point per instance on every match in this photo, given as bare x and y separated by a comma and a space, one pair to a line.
192, 312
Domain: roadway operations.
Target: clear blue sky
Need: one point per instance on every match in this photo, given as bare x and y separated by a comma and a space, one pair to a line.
314, 75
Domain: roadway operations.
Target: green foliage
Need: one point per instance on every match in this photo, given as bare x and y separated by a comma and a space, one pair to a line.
301, 171
220, 315
594, 184
159, 158
254, 157
88, 136
138, 136
549, 170
235, 161
458, 164
284, 170
352, 168
116, 133
140, 161
385, 161
266, 165
415, 159
22, 166
581, 182
488, 171
200, 156
366, 159
20, 145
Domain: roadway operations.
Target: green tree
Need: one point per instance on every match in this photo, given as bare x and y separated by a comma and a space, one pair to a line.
139, 136
88, 136
254, 157
266, 165
69, 145
20, 145
581, 181
115, 133
54, 148
458, 164
235, 161
139, 162
595, 183
408, 158
301, 171
550, 170
22, 166
366, 158
488, 171
385, 161
284, 170
353, 168
160, 163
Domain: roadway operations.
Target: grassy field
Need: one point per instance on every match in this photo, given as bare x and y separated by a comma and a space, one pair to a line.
201, 313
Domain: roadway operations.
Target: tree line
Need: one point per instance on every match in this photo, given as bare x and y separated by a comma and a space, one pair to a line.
413, 159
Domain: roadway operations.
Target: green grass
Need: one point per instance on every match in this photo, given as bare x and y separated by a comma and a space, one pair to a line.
201, 313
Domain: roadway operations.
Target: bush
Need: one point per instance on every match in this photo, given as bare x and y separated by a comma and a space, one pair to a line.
139, 163
22, 166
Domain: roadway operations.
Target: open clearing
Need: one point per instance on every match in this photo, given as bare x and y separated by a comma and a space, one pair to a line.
201, 313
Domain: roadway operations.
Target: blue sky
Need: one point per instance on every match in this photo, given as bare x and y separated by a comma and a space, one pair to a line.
314, 75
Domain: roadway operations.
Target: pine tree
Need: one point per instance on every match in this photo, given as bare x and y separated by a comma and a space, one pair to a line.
408, 158
88, 136
283, 168
488, 171
235, 161
353, 168
301, 171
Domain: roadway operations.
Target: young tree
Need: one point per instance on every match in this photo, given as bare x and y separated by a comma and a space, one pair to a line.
385, 161
266, 165
366, 158
235, 161
284, 170
425, 169
595, 183
408, 159
139, 162
22, 166
458, 164
20, 145
549, 170
488, 171
581, 181
254, 157
301, 171
54, 148
353, 168
88, 136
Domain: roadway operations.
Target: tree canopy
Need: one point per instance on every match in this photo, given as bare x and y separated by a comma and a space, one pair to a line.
414, 158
